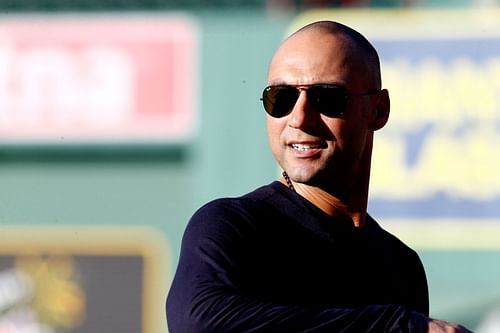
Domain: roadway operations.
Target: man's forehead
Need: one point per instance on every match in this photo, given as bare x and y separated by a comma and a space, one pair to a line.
323, 58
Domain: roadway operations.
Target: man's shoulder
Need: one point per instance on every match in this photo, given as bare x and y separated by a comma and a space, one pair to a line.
390, 240
233, 209
247, 201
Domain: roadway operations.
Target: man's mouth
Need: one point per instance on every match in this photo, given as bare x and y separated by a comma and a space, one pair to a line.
304, 147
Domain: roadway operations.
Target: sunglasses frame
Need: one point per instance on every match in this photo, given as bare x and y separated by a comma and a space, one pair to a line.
269, 105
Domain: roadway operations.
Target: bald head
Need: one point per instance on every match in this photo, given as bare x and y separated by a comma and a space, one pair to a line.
322, 151
344, 44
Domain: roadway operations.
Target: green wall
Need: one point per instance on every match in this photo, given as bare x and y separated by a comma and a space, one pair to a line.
162, 185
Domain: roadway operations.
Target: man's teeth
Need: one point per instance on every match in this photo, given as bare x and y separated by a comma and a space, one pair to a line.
303, 147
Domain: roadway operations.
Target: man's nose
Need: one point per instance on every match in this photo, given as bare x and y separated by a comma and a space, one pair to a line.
303, 116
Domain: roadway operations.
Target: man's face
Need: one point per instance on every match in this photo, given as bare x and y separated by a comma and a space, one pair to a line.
310, 146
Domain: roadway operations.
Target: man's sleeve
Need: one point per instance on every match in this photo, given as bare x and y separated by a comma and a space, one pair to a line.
204, 296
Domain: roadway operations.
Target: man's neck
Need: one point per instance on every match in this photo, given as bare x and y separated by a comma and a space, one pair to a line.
350, 207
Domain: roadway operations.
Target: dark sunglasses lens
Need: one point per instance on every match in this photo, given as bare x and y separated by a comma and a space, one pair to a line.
279, 100
329, 100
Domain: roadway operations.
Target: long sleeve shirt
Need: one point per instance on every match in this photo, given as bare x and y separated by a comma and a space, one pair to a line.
270, 261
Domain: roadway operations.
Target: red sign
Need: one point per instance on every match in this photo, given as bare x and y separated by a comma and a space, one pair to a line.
109, 78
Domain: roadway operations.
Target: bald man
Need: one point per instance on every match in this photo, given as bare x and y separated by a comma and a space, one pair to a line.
301, 254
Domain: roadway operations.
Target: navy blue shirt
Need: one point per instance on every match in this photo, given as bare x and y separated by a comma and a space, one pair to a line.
271, 261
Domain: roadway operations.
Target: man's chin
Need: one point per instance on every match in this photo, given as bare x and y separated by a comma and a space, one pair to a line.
301, 176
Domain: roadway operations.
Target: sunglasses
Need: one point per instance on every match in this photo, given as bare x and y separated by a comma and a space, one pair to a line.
329, 100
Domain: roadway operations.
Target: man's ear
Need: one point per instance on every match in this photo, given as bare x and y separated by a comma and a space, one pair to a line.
382, 110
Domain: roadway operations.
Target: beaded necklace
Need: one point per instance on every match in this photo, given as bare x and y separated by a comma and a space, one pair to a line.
288, 181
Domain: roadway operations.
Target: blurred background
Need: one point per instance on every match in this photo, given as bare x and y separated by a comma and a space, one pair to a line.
119, 118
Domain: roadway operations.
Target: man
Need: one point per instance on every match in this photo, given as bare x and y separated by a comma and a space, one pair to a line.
302, 254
